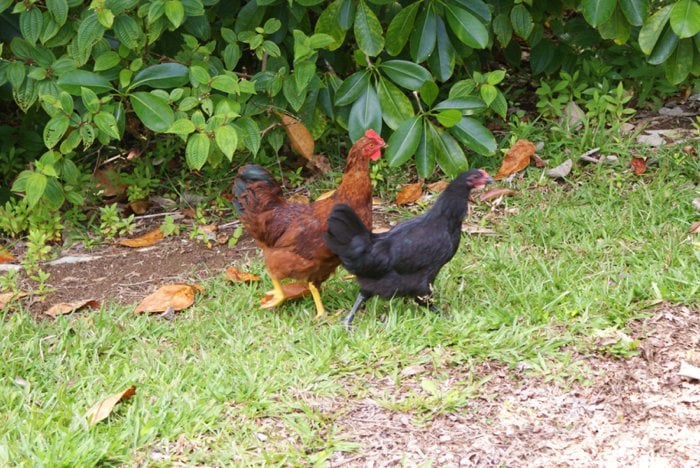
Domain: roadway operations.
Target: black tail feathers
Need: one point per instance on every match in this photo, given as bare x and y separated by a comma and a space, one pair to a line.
343, 226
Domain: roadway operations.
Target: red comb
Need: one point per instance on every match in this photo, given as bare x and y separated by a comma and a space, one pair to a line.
373, 135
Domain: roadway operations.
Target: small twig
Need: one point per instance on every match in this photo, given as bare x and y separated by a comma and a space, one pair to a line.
175, 215
227, 225
587, 156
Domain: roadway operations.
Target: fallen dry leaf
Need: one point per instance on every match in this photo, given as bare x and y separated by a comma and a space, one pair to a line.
639, 165
298, 198
497, 192
291, 291
144, 240
139, 207
6, 257
561, 171
104, 408
222, 238
108, 181
325, 195
6, 298
177, 296
300, 137
409, 193
63, 308
536, 161
320, 163
517, 158
438, 186
694, 228
689, 370
236, 276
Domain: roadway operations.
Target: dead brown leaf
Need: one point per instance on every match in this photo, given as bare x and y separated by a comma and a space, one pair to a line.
298, 198
6, 298
497, 192
222, 238
320, 163
177, 296
300, 137
144, 240
104, 408
325, 195
438, 186
561, 171
639, 165
536, 161
517, 158
6, 257
64, 308
291, 291
139, 207
108, 181
694, 228
236, 276
409, 193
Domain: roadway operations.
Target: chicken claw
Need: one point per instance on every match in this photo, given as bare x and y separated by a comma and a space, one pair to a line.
276, 296
320, 310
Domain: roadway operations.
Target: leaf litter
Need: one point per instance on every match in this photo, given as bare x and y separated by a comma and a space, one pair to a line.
102, 409
175, 296
517, 158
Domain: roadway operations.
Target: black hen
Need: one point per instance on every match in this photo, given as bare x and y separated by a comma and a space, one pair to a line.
405, 260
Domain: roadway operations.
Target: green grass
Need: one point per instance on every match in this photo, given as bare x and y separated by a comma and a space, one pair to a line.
227, 383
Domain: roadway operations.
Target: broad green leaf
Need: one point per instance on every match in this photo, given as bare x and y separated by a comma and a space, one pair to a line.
87, 134
477, 7
35, 187
59, 10
291, 93
105, 17
89, 98
49, 30
468, 105
89, 32
488, 93
152, 110
227, 140
16, 72
616, 28
396, 107
685, 18
26, 95
400, 28
232, 54
107, 123
69, 144
442, 62
175, 12
499, 105
346, 13
495, 77
199, 74
425, 152
128, 31
67, 103
106, 60
541, 56
664, 47
404, 141
368, 30
521, 20
250, 133
365, 113
5, 4
352, 87
424, 35
30, 24
76, 79
55, 129
304, 72
225, 83
475, 136
598, 12
652, 29
680, 63
53, 194
503, 29
327, 23
466, 27
429, 92
635, 10
197, 150
181, 127
449, 155
406, 74
449, 118
162, 76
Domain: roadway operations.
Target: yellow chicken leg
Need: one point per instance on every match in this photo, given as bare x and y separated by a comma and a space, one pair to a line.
277, 296
320, 311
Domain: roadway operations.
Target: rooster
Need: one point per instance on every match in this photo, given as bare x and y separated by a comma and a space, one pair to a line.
291, 234
405, 260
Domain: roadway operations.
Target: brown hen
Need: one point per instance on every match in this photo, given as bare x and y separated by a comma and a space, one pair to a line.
291, 234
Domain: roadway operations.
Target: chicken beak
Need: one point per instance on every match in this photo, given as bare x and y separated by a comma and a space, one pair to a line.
489, 180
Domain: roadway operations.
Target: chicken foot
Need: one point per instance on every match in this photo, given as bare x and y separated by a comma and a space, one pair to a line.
277, 294
320, 310
426, 301
361, 298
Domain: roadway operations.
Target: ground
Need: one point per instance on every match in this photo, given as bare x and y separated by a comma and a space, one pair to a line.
635, 411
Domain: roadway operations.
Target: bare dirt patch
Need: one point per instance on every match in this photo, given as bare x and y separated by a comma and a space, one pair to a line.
634, 412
